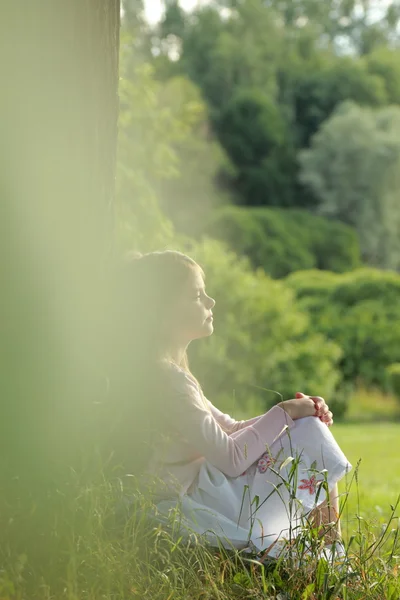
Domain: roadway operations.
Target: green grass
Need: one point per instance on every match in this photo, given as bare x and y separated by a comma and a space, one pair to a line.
73, 548
372, 405
377, 445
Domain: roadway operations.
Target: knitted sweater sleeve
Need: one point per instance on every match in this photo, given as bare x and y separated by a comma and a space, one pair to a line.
189, 416
227, 423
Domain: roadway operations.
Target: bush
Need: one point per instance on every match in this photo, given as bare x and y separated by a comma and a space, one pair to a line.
393, 372
359, 311
250, 127
261, 337
333, 244
339, 402
282, 241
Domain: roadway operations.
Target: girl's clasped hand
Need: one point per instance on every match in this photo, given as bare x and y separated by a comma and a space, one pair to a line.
308, 406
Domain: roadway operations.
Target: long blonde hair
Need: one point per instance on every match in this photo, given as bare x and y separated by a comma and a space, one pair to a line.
144, 288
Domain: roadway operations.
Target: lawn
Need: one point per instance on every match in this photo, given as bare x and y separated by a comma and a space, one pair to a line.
81, 555
377, 445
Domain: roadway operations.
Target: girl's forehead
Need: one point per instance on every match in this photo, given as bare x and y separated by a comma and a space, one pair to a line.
196, 279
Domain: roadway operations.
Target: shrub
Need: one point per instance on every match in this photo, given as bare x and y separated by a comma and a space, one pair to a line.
393, 372
360, 312
286, 240
339, 402
250, 127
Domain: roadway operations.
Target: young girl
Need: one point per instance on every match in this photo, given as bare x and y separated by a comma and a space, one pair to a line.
246, 484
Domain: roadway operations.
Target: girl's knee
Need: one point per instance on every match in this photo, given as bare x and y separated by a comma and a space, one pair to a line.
308, 426
307, 422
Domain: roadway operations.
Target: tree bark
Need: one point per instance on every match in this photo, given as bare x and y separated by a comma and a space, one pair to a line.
58, 116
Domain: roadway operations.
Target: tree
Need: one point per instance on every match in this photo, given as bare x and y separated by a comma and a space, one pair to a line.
385, 63
253, 132
203, 166
59, 125
168, 163
224, 55
250, 128
135, 34
316, 94
353, 167
168, 160
289, 54
346, 25
145, 158
369, 33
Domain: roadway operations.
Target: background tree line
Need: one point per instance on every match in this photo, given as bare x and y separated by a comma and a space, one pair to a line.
262, 137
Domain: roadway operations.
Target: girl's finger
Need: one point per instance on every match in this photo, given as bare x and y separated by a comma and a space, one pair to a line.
327, 417
318, 400
322, 409
316, 407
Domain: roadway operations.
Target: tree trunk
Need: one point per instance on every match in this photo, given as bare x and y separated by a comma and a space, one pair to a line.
58, 111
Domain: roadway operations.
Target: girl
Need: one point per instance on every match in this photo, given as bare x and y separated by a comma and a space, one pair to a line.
233, 481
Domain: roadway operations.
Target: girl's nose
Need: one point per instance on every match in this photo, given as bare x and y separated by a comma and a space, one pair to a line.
211, 302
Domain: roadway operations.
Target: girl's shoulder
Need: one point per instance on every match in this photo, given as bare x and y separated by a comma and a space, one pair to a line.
176, 375
182, 384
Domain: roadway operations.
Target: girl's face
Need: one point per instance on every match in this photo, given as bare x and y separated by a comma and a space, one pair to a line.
192, 317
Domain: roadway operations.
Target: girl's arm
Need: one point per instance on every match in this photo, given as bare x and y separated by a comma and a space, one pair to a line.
227, 423
186, 413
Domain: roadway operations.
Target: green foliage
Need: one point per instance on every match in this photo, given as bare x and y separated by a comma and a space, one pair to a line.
393, 372
250, 128
253, 132
145, 156
316, 93
359, 311
223, 56
247, 64
385, 63
282, 241
167, 165
189, 198
135, 33
260, 339
353, 167
173, 23
262, 235
358, 27
309, 10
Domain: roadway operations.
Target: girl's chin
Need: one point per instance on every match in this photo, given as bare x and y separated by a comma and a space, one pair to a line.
206, 330
209, 328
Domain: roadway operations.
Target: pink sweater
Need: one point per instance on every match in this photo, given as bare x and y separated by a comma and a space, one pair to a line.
197, 431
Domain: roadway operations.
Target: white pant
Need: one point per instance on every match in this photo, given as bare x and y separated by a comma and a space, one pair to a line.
264, 506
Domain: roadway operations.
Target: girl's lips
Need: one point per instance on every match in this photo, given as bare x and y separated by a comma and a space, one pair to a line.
209, 318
